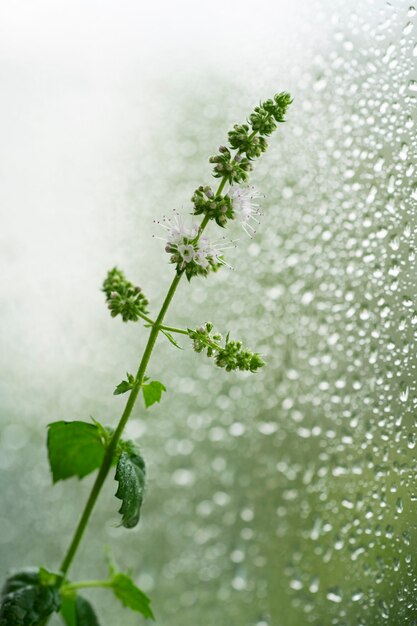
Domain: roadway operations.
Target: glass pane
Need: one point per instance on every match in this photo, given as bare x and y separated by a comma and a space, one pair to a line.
285, 498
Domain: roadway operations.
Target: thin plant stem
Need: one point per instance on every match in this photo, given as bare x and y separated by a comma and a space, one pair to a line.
171, 329
85, 584
108, 457
111, 449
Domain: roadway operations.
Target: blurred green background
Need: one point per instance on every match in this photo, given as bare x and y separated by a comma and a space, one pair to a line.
279, 499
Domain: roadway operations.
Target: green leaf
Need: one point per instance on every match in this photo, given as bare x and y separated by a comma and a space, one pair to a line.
131, 596
77, 611
130, 474
23, 578
152, 392
74, 449
25, 601
85, 613
171, 339
125, 385
47, 577
69, 609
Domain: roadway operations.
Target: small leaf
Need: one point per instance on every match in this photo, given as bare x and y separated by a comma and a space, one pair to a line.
49, 578
25, 601
152, 392
130, 474
125, 385
171, 339
74, 449
131, 596
77, 611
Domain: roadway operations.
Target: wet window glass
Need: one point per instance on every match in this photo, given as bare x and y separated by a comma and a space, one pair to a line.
284, 498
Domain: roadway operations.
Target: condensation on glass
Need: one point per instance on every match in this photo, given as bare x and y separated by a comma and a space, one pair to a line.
290, 497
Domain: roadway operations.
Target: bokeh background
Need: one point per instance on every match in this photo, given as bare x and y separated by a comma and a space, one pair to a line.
280, 499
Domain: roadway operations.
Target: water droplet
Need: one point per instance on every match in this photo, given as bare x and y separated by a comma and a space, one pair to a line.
334, 595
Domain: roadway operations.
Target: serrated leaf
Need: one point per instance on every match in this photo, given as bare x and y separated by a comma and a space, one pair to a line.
131, 596
125, 385
171, 339
74, 449
27, 602
27, 577
77, 611
131, 475
152, 392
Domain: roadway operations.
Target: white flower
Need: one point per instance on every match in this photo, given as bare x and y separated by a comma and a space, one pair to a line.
179, 240
187, 252
209, 252
195, 256
178, 232
245, 210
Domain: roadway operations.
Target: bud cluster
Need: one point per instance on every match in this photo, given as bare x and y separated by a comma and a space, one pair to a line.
218, 207
249, 142
189, 251
122, 297
233, 170
245, 143
203, 339
231, 355
265, 117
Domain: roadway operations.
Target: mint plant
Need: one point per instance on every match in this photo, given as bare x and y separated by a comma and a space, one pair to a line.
30, 596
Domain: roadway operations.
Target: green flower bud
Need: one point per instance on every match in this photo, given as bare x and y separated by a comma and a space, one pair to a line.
231, 356
218, 208
123, 298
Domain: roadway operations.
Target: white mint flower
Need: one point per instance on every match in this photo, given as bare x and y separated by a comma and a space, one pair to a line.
207, 251
186, 251
246, 211
189, 254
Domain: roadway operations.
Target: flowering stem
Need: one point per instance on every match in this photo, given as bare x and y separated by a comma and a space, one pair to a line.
112, 446
36, 595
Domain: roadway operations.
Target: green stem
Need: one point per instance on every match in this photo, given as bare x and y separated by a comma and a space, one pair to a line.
108, 457
84, 584
146, 318
204, 223
111, 449
171, 329
221, 186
